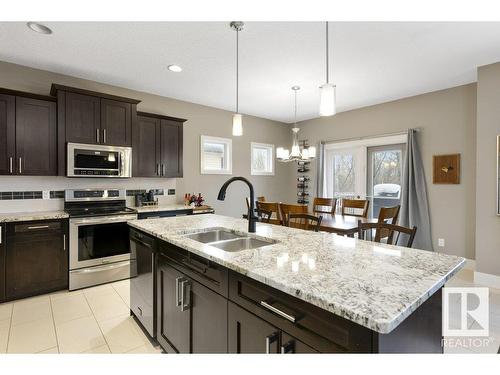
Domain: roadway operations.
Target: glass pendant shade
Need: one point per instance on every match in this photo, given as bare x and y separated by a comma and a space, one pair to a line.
327, 100
312, 152
237, 125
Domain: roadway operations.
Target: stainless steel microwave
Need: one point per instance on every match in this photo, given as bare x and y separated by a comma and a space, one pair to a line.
98, 161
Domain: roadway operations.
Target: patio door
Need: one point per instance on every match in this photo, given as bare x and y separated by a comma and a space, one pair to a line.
384, 176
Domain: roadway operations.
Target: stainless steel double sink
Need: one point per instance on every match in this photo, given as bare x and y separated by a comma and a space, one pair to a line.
228, 240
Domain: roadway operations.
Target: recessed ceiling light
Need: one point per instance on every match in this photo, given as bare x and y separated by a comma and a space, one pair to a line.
39, 28
175, 68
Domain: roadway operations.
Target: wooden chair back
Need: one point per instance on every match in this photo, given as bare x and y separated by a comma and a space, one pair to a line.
304, 221
366, 230
324, 205
272, 207
259, 199
352, 207
287, 209
388, 215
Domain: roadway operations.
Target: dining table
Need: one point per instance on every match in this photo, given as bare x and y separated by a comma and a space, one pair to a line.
346, 225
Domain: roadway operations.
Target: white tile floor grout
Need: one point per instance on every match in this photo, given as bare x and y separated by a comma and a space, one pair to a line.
92, 320
97, 320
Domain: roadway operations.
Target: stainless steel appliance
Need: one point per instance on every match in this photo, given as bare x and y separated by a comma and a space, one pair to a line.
99, 247
85, 160
143, 286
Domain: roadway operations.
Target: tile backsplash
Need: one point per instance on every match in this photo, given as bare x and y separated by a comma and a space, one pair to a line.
17, 193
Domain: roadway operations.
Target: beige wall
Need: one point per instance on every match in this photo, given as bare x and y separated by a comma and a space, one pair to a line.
488, 127
202, 120
447, 122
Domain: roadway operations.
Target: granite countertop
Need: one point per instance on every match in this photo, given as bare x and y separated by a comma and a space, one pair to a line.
29, 216
374, 285
169, 207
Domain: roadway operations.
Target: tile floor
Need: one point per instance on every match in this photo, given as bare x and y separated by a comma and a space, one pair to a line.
93, 320
96, 320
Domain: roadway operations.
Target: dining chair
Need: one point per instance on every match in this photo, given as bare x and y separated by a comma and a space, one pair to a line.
388, 215
365, 232
352, 207
259, 199
325, 205
272, 207
264, 216
304, 221
287, 209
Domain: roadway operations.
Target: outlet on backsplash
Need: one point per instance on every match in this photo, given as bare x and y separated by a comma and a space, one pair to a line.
441, 242
45, 194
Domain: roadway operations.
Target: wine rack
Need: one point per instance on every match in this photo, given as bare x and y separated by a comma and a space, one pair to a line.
303, 182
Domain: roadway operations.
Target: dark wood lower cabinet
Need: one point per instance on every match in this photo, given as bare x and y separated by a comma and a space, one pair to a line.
191, 317
36, 259
2, 263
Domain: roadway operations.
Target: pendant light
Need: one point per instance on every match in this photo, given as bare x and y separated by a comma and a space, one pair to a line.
297, 154
237, 118
327, 91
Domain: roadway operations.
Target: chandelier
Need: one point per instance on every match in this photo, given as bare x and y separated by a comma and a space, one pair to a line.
298, 153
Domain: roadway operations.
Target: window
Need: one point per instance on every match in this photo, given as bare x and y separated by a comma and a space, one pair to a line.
262, 159
368, 168
216, 154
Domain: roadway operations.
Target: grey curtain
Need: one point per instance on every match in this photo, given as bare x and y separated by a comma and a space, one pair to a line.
414, 204
320, 170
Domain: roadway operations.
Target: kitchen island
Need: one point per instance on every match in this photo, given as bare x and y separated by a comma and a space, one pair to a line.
301, 292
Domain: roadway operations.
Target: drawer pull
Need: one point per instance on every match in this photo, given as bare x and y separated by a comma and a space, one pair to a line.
185, 295
278, 311
38, 227
273, 337
288, 347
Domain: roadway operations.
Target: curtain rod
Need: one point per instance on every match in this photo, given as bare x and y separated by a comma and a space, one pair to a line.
367, 137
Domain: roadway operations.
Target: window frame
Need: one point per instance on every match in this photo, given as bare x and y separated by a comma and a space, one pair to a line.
270, 147
228, 147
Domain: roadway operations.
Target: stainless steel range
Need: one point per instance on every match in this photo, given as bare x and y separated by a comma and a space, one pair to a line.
99, 247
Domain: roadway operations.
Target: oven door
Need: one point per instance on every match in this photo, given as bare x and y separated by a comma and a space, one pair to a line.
98, 240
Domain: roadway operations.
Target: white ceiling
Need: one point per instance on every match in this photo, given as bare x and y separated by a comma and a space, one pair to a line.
373, 62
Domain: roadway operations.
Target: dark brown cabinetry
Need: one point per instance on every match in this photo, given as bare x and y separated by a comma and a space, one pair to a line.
28, 136
93, 118
36, 259
191, 317
2, 262
157, 146
36, 134
7, 133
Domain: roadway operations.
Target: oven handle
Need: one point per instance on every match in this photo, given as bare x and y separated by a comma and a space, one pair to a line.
102, 268
103, 220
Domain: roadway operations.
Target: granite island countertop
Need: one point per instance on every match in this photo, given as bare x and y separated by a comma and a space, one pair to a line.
374, 285
31, 216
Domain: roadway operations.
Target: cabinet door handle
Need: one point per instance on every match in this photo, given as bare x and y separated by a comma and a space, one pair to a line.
283, 314
163, 170
97, 136
273, 337
289, 347
20, 165
11, 170
104, 135
0, 234
185, 301
64, 242
38, 227
177, 293
157, 169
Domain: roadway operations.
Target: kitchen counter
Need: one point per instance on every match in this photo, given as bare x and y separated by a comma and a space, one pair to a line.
375, 285
170, 207
31, 216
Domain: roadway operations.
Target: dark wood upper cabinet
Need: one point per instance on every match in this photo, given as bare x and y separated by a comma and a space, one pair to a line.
82, 118
146, 147
36, 258
116, 123
36, 135
171, 148
157, 146
7, 133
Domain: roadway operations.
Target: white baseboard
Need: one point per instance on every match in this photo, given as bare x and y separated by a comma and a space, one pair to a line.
486, 279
